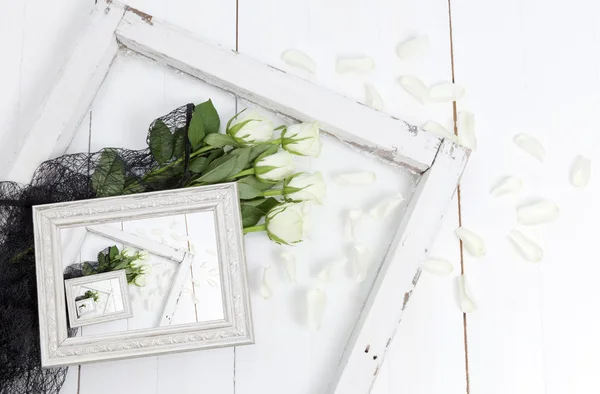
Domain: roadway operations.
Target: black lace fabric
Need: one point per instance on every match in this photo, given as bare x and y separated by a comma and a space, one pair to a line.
67, 178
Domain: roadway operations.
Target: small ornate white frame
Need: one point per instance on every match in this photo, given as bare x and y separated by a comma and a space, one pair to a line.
58, 349
439, 162
74, 321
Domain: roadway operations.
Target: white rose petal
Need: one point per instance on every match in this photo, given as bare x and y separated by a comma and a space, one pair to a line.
299, 59
373, 98
466, 129
256, 128
438, 266
306, 187
265, 286
289, 263
531, 146
302, 139
537, 213
330, 269
356, 178
354, 223
509, 184
362, 262
580, 174
275, 168
354, 65
288, 223
415, 87
446, 91
440, 130
386, 207
528, 249
471, 241
465, 299
316, 299
413, 47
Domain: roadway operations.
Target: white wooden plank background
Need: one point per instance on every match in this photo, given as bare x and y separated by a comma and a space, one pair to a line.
529, 66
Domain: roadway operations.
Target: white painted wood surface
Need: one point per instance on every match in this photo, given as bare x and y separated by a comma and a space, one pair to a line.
535, 329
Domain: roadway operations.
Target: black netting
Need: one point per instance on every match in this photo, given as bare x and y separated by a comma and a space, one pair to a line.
66, 178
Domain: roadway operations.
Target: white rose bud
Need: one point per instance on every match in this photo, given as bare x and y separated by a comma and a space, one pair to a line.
305, 187
302, 139
250, 127
140, 280
274, 168
287, 223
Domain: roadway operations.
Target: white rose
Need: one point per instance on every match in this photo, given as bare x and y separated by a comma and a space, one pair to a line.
305, 187
287, 223
140, 280
302, 139
250, 127
274, 168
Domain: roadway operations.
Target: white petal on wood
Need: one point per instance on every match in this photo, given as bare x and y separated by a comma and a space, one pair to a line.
289, 263
415, 87
362, 262
299, 59
354, 222
530, 145
543, 211
466, 129
358, 64
330, 269
528, 249
413, 47
446, 91
438, 266
373, 98
465, 299
440, 130
386, 207
356, 178
471, 241
265, 284
316, 300
580, 174
509, 184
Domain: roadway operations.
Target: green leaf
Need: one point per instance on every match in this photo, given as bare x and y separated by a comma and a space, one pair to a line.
87, 269
220, 140
251, 215
218, 169
199, 164
113, 251
236, 128
160, 140
179, 143
262, 149
133, 186
210, 116
108, 178
196, 132
249, 187
215, 154
241, 160
253, 211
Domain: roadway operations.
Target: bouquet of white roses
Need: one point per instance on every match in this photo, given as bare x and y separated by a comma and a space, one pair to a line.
248, 152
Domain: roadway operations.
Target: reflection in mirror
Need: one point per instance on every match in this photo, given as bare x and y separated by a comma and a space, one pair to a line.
170, 266
97, 298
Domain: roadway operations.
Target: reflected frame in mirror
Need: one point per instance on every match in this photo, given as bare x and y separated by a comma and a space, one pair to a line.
77, 320
58, 349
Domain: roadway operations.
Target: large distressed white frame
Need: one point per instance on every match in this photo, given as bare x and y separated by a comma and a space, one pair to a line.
440, 163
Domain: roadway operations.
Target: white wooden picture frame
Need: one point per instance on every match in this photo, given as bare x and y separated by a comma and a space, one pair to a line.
58, 349
438, 162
